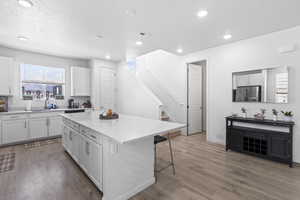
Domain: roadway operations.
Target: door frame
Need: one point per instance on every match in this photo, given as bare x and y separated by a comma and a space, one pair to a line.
188, 94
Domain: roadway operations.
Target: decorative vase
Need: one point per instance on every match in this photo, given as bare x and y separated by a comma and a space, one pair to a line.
288, 118
244, 115
275, 117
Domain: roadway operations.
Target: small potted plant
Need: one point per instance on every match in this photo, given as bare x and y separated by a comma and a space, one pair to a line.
244, 112
275, 114
288, 115
261, 114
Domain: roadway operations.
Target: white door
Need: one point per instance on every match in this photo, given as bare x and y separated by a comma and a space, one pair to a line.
38, 128
55, 126
195, 99
14, 131
5, 67
107, 88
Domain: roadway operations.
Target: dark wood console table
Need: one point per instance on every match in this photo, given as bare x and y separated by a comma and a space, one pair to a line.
263, 143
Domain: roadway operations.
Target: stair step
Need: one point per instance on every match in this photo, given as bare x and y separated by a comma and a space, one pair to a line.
165, 118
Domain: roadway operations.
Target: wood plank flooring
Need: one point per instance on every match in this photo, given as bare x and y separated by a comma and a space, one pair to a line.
204, 171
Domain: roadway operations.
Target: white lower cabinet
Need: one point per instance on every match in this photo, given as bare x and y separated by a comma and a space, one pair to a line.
65, 138
75, 141
55, 125
14, 130
86, 152
95, 162
24, 127
38, 128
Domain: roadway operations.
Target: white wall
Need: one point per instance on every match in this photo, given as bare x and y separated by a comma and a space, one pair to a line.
259, 52
132, 97
20, 56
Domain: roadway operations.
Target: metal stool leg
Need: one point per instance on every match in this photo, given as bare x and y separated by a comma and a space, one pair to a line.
171, 153
155, 163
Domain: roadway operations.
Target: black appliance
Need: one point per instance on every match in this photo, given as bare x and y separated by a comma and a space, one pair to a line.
71, 103
248, 94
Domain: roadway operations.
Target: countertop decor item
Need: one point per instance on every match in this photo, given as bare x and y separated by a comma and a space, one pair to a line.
261, 114
109, 115
275, 114
288, 115
244, 112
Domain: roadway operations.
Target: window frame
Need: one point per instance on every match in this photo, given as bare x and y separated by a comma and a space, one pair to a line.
58, 83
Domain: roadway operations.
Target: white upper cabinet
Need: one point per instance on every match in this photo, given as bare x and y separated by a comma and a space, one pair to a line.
6, 65
80, 81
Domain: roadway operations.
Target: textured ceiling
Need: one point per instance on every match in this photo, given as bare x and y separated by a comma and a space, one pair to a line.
69, 28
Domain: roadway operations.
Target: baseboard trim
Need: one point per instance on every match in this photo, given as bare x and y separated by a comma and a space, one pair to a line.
29, 141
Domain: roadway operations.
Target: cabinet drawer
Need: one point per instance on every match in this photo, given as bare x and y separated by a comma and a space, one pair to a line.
93, 135
71, 124
39, 115
12, 117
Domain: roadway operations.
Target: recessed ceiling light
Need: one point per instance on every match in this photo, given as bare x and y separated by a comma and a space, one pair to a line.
23, 38
227, 36
107, 57
139, 43
179, 50
202, 13
99, 36
25, 3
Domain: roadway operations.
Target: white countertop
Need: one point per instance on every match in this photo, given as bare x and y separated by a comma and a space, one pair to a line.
15, 112
125, 129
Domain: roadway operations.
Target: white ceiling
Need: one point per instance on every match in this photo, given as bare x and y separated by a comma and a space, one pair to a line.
69, 27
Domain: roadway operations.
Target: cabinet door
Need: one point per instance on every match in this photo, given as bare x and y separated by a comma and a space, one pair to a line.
80, 81
5, 76
95, 162
242, 80
280, 147
14, 131
256, 79
55, 126
38, 128
235, 140
84, 154
75, 149
65, 137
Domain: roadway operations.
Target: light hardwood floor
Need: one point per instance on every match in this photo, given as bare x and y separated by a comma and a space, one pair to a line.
204, 171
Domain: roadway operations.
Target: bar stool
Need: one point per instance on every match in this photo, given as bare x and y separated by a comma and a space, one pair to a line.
158, 139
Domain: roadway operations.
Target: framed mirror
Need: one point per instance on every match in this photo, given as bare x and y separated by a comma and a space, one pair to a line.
268, 85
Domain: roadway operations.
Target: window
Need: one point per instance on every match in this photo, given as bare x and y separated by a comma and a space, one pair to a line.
40, 82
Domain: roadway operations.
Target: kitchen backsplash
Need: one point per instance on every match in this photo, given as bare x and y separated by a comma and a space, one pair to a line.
21, 105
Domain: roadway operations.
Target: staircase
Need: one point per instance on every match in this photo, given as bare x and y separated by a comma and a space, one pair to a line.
170, 109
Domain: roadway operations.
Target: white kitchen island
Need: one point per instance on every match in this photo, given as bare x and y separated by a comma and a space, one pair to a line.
117, 155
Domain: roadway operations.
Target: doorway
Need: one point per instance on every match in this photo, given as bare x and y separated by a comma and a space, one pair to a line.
196, 97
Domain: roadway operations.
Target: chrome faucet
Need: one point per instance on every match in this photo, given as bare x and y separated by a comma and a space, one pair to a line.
46, 103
